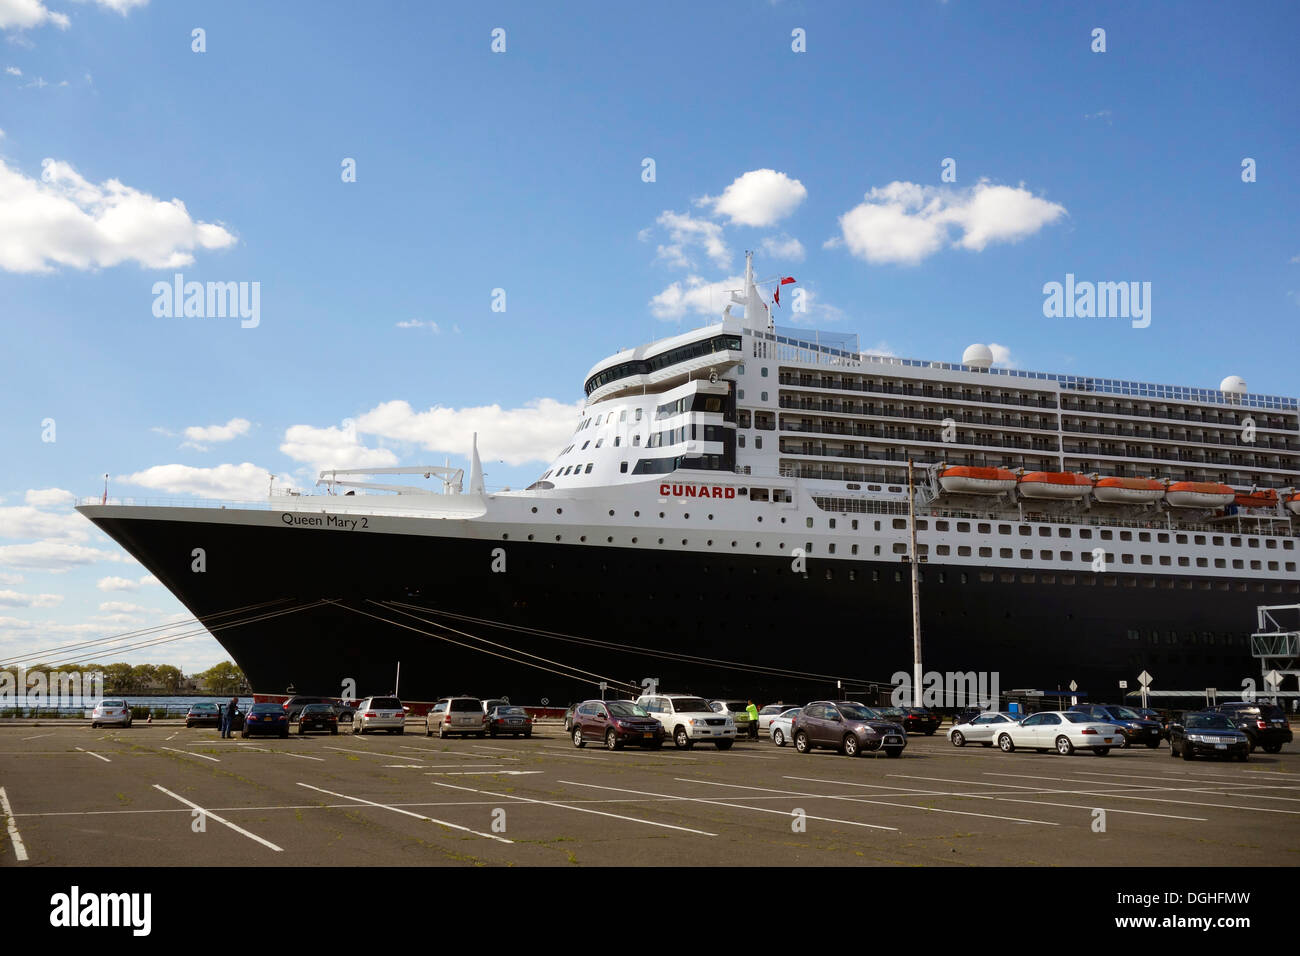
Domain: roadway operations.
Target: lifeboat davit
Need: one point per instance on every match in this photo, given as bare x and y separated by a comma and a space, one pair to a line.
1264, 498
965, 480
1128, 491
1054, 484
1293, 504
1198, 494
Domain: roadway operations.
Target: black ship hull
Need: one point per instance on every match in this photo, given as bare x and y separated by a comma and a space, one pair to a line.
717, 624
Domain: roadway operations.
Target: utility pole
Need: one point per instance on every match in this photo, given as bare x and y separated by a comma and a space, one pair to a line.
916, 592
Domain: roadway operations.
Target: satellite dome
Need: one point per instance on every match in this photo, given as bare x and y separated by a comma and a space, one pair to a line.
1233, 383
978, 356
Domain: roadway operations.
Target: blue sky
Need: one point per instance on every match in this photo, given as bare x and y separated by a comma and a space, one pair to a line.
522, 170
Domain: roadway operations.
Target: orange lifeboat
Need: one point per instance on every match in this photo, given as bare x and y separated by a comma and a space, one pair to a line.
1054, 484
1293, 503
1263, 498
1128, 491
1198, 494
966, 480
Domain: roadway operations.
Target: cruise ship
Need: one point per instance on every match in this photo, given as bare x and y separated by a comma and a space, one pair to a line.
731, 517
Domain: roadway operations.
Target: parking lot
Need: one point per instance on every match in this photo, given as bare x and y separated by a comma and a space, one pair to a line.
160, 795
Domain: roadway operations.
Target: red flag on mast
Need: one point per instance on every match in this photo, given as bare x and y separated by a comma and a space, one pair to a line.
776, 295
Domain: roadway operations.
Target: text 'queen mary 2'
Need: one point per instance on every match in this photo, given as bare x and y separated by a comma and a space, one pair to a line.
730, 517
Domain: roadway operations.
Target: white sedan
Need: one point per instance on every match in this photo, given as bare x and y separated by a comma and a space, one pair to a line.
1060, 730
779, 726
768, 713
982, 729
111, 711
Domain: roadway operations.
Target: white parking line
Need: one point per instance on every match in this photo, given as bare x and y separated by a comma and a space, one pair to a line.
479, 773
1146, 789
368, 753
93, 754
20, 851
189, 754
565, 806
418, 816
221, 820
38, 736
173, 735
734, 806
285, 753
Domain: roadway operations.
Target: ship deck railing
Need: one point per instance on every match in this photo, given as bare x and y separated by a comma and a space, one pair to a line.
315, 504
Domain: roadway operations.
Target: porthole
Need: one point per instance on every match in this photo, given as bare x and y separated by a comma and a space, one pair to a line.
609, 540
530, 537
534, 511
683, 542
661, 540
686, 515
557, 537
636, 514
733, 544
559, 511
709, 542
634, 540
611, 512
710, 517
505, 537
582, 538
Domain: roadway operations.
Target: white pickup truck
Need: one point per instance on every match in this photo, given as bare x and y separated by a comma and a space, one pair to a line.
689, 720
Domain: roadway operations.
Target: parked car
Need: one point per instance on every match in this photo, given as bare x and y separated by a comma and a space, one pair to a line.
568, 718
456, 715
966, 714
1208, 734
380, 713
318, 717
508, 719
846, 726
1064, 731
294, 705
1135, 729
111, 710
981, 729
617, 723
778, 727
919, 720
737, 710
766, 713
1264, 723
492, 703
690, 720
344, 712
205, 714
266, 719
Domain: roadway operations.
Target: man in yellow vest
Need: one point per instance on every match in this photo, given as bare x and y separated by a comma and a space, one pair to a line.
752, 710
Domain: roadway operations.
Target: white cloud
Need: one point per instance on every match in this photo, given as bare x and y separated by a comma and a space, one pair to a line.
13, 71
686, 231
333, 447
47, 497
1001, 356
882, 349
513, 435
783, 248
905, 222
697, 295
816, 312
244, 481
54, 556
119, 6
24, 521
759, 197
417, 324
25, 14
197, 434
125, 584
63, 219
1296, 257
14, 599
11, 579
122, 607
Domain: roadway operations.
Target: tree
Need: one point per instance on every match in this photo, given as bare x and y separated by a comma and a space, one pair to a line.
117, 678
170, 677
142, 676
223, 678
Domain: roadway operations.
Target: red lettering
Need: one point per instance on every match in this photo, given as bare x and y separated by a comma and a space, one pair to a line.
717, 492
663, 490
690, 491
730, 493
677, 491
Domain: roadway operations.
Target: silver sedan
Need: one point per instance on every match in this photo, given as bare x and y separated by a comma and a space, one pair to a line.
982, 729
779, 726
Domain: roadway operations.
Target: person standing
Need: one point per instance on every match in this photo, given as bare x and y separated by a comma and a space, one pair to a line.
223, 722
752, 710
231, 709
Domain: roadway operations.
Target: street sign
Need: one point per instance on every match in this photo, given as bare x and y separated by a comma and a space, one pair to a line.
1144, 679
1273, 679
1073, 686
1211, 695
1123, 685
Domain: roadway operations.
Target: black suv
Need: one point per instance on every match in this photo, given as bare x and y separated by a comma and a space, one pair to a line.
1265, 724
1134, 728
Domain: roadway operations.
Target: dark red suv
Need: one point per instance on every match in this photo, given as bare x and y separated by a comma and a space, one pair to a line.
616, 722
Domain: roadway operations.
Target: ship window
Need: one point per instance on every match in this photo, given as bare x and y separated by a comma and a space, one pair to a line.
898, 575
900, 523
762, 396
1272, 565
740, 441
1004, 529
964, 578
1126, 559
622, 415
1218, 540
1288, 545
638, 415
588, 471
1202, 562
636, 441
740, 394
944, 550
623, 467
938, 525
1200, 539
1107, 535
1290, 565
1181, 539
1064, 532
1238, 564
831, 549
763, 371
1045, 555
758, 494
986, 552
963, 526
831, 522
599, 442
986, 576
1146, 559
1184, 561
854, 549
808, 522
984, 527
584, 445
1162, 537
963, 551
1026, 554
877, 550
1044, 532
1067, 579
1236, 542
1085, 532
922, 524
875, 575
758, 441
900, 549
1164, 560
1007, 577
1026, 531
1270, 543
855, 524
1251, 542
1126, 535
618, 440
1144, 535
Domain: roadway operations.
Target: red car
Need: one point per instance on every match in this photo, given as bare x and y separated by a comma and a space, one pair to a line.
616, 722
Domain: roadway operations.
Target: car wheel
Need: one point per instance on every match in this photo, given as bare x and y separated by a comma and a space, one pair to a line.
612, 741
1063, 746
894, 752
1187, 752
300, 730
778, 738
849, 745
577, 738
1124, 743
725, 744
801, 742
1101, 751
1172, 751
1005, 744
1272, 748
442, 734
958, 739
930, 733
681, 739
94, 726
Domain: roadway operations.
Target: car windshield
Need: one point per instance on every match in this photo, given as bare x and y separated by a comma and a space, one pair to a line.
858, 712
737, 705
1124, 713
1077, 718
387, 703
1208, 722
317, 709
267, 709
773, 709
113, 703
203, 707
464, 704
624, 708
684, 705
890, 713
512, 711
792, 712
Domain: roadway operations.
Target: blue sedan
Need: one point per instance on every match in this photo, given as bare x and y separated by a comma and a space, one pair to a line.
266, 719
